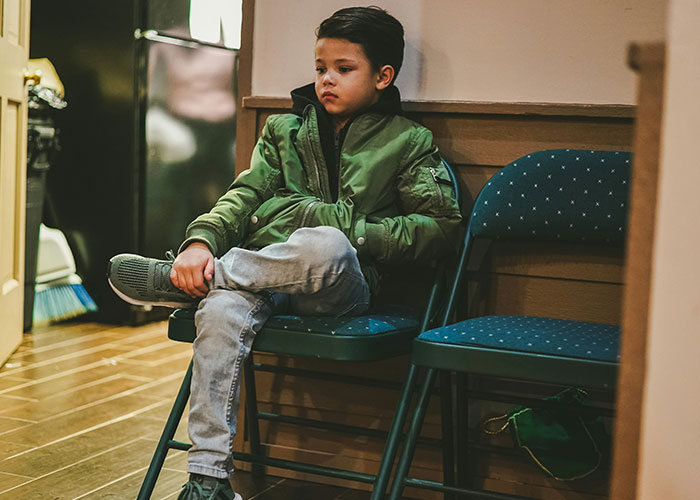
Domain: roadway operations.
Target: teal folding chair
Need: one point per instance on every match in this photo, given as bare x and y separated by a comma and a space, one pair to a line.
385, 332
550, 196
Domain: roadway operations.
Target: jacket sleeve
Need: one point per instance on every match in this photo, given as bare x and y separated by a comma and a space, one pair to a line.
226, 224
430, 215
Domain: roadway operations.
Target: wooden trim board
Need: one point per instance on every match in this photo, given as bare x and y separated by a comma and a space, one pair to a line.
648, 60
245, 120
475, 107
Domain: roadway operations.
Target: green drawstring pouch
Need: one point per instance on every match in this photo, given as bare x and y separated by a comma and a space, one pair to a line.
562, 436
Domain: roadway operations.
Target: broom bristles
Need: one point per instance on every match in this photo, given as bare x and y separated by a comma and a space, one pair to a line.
61, 299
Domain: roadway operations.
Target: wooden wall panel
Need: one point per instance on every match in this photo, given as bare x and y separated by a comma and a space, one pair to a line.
498, 140
557, 298
322, 395
473, 177
562, 261
566, 281
344, 462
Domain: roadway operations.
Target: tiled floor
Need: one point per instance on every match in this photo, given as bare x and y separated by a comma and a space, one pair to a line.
81, 409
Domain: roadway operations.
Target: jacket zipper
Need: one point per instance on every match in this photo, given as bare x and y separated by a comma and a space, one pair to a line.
313, 154
337, 159
433, 172
318, 173
336, 140
339, 150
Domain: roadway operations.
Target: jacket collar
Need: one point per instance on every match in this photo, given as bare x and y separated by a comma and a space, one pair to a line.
389, 102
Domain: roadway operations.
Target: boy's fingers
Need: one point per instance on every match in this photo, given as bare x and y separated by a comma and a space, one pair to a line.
200, 285
174, 277
188, 287
193, 288
209, 270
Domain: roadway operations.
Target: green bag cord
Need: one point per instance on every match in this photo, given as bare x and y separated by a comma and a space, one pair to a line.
563, 440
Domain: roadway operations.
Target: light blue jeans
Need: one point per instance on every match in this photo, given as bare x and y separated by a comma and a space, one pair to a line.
316, 272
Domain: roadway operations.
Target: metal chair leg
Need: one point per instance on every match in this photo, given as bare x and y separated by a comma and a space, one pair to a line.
251, 413
464, 476
448, 460
163, 446
394, 437
413, 432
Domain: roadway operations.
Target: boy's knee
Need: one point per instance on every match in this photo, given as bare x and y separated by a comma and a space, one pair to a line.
324, 241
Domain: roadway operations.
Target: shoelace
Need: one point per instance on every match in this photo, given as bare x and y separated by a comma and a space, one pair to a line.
191, 487
162, 274
194, 487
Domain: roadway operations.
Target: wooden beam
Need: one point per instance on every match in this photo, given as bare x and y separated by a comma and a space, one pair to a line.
648, 60
469, 107
245, 141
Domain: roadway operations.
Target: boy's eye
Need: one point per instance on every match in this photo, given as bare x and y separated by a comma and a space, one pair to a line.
345, 69
320, 70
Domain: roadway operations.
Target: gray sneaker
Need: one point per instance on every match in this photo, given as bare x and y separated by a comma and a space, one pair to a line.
207, 488
144, 281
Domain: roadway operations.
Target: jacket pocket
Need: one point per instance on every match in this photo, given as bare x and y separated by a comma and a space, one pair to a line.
283, 212
442, 184
431, 191
266, 212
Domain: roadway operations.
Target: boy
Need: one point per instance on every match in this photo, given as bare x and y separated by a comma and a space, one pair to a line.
338, 186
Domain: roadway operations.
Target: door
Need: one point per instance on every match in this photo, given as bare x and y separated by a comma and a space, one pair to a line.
14, 53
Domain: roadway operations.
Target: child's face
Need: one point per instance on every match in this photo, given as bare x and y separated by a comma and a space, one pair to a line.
345, 80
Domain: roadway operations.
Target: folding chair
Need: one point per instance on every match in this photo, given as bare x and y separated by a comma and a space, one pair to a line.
382, 333
551, 196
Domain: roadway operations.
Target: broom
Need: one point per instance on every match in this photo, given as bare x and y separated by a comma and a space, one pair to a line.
59, 293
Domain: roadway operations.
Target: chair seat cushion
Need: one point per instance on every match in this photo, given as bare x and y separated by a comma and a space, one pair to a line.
578, 339
380, 334
369, 324
383, 320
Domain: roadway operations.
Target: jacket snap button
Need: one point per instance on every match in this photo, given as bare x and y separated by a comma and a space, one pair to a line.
254, 219
360, 240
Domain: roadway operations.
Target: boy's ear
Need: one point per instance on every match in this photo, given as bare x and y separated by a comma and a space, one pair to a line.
385, 77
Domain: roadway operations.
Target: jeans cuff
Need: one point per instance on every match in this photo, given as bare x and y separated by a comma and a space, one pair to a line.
206, 470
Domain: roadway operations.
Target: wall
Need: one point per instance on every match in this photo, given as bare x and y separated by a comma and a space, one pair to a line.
563, 51
670, 437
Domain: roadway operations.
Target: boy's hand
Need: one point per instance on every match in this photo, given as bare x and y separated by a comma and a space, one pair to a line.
194, 264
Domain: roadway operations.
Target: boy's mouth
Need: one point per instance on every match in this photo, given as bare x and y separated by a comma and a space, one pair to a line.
328, 95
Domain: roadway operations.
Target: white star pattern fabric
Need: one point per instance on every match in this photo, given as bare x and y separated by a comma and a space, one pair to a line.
565, 195
387, 320
578, 339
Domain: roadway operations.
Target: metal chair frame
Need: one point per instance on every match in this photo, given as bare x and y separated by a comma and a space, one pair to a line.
446, 360
301, 343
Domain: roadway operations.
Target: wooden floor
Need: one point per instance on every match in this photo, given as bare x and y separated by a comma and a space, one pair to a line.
82, 406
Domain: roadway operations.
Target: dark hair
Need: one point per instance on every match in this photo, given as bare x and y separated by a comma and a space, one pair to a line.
379, 33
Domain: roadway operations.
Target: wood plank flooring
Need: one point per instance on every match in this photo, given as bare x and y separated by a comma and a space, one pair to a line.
82, 406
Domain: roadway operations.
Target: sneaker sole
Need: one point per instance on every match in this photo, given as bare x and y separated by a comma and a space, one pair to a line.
130, 300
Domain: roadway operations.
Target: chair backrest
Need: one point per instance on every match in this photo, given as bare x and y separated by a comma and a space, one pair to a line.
566, 195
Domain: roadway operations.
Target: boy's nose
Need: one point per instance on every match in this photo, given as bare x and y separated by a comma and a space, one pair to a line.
327, 78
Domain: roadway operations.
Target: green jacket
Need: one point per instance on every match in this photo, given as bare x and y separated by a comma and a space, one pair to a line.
395, 202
